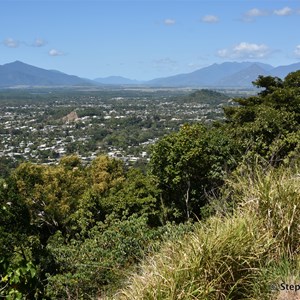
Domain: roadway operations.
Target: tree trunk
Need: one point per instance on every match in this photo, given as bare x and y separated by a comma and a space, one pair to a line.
187, 199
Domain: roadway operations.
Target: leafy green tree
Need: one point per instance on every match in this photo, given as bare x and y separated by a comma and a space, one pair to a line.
268, 84
137, 194
20, 276
260, 123
51, 193
102, 175
188, 165
105, 173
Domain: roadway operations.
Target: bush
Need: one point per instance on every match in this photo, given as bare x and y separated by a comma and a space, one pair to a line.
246, 252
93, 265
220, 260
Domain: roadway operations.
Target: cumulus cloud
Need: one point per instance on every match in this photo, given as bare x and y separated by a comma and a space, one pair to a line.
210, 19
169, 22
11, 43
55, 52
224, 53
286, 11
245, 51
253, 13
39, 42
297, 51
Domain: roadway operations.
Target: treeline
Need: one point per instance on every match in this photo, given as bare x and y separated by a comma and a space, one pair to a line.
73, 231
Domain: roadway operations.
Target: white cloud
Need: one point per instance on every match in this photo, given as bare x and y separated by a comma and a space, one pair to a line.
297, 51
253, 13
245, 51
11, 43
223, 53
210, 19
169, 22
39, 42
55, 52
286, 11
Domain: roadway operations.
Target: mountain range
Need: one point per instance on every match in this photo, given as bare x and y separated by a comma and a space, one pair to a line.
227, 74
21, 74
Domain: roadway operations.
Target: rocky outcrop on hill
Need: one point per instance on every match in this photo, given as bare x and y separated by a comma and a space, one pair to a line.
71, 117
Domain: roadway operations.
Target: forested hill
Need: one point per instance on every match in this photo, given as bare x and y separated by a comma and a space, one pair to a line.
217, 212
205, 96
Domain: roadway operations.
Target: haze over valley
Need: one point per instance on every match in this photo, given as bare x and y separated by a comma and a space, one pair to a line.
225, 75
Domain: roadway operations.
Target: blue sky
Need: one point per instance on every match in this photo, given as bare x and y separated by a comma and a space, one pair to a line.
147, 39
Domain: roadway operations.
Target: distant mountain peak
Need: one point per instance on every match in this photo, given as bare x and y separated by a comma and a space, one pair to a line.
117, 80
17, 63
226, 74
19, 73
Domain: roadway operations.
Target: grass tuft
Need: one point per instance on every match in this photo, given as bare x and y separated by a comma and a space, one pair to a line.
242, 254
220, 260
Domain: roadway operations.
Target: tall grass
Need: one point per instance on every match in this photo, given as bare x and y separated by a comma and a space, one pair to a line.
220, 260
237, 256
274, 195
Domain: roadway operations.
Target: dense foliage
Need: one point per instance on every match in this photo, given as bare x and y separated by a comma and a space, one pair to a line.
249, 253
74, 230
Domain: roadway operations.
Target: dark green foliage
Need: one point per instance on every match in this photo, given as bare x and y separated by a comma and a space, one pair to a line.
268, 83
6, 164
14, 218
96, 264
89, 266
136, 195
19, 277
265, 124
189, 165
205, 96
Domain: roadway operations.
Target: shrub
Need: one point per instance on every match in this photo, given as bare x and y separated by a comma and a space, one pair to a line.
220, 260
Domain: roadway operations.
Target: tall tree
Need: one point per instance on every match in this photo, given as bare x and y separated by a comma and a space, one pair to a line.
266, 124
188, 165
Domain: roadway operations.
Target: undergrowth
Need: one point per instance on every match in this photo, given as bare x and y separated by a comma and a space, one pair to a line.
247, 253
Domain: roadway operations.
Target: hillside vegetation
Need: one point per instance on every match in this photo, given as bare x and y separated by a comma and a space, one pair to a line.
250, 253
214, 217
